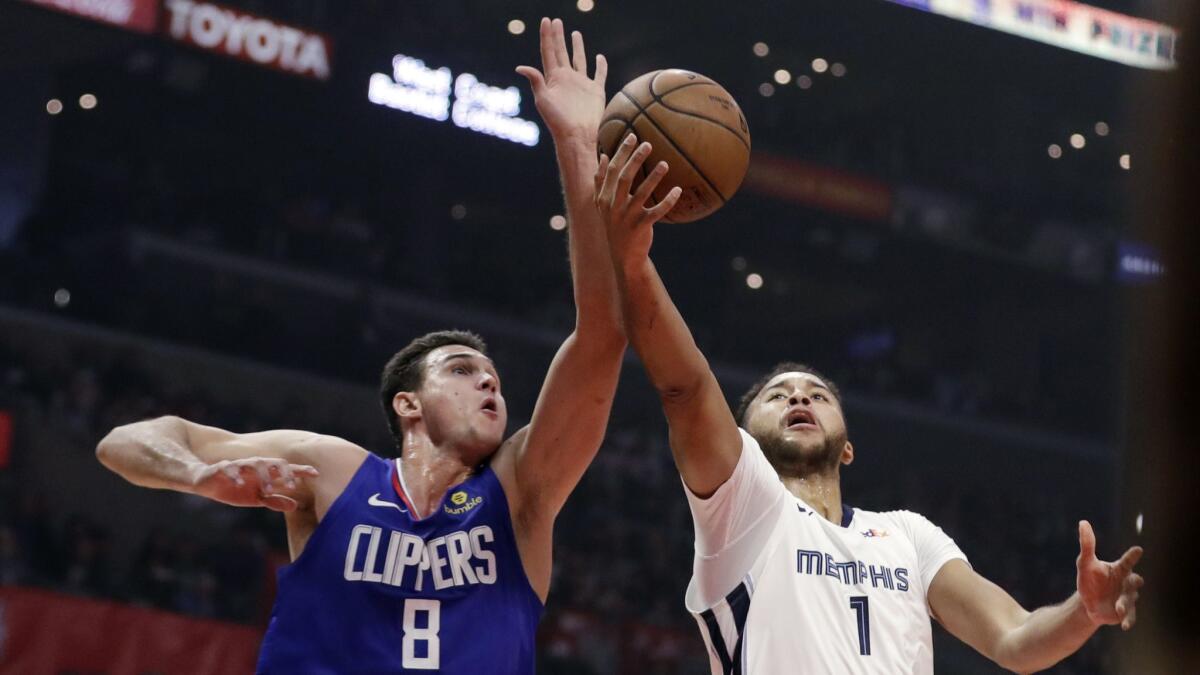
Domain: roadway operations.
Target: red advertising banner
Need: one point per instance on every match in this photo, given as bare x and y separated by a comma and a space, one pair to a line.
135, 15
248, 37
818, 186
6, 432
44, 632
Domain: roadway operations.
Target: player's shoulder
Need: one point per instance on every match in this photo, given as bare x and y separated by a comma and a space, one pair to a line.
909, 522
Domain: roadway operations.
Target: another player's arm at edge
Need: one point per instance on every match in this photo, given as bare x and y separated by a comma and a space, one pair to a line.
273, 469
704, 436
983, 615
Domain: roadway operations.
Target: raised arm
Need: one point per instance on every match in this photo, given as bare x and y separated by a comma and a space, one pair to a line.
571, 413
272, 469
704, 436
984, 616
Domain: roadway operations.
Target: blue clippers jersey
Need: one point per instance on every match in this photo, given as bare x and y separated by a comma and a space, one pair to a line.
377, 591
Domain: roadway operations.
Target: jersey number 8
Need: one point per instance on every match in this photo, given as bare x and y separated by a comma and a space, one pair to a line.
428, 633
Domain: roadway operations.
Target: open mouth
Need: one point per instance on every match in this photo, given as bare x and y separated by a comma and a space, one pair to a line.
489, 405
800, 419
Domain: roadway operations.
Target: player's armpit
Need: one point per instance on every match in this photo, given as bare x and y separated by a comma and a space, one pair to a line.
974, 610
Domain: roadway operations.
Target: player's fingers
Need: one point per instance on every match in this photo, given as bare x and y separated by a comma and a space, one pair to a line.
546, 40
1087, 541
661, 209
646, 189
601, 69
287, 475
1134, 581
279, 503
614, 167
1131, 558
234, 473
631, 169
558, 34
305, 470
536, 80
578, 55
263, 469
1130, 619
601, 171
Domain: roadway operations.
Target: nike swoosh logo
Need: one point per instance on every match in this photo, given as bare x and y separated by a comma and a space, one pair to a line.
374, 500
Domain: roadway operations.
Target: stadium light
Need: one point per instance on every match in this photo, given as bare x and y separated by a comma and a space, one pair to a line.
837, 70
585, 5
1078, 141
558, 222
1055, 151
782, 76
761, 49
766, 89
516, 26
820, 65
54, 106
804, 82
754, 280
1102, 129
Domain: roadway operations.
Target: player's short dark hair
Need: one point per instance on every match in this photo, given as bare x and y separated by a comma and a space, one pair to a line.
405, 371
786, 367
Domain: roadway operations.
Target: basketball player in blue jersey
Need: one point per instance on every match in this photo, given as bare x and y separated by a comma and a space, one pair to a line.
789, 579
438, 560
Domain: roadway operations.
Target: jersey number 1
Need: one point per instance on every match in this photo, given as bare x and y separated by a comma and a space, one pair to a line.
432, 609
862, 609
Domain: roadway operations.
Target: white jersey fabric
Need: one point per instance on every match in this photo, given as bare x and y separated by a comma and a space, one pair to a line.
777, 588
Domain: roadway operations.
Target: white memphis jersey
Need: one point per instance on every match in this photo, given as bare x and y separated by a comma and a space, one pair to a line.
776, 588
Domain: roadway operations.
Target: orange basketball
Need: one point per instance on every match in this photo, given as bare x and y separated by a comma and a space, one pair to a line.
694, 125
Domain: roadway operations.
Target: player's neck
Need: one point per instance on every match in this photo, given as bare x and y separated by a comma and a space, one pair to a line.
821, 491
430, 470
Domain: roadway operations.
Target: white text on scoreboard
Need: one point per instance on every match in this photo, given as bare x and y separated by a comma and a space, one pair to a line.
436, 94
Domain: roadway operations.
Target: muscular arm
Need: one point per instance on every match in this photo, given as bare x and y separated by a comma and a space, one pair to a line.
269, 468
704, 436
984, 616
571, 413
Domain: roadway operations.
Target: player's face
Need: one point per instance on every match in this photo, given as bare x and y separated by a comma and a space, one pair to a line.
460, 399
799, 423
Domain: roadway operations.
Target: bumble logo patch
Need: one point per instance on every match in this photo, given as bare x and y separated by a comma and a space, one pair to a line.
462, 503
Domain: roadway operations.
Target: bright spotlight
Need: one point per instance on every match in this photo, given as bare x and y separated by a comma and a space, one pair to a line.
87, 101
516, 26
585, 5
558, 222
782, 76
1078, 141
1055, 151
820, 65
54, 106
754, 280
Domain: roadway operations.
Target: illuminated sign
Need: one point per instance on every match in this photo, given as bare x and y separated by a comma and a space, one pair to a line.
249, 38
1138, 263
1069, 25
138, 15
435, 93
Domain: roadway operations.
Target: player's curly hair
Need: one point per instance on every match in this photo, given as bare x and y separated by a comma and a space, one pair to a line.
786, 367
406, 372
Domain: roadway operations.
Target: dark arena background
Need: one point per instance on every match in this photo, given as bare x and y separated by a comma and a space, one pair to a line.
959, 210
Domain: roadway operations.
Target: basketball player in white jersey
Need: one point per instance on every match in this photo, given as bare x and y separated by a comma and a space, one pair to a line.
787, 578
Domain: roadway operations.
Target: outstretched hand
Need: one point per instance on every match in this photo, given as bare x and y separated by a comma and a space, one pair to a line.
629, 221
570, 102
255, 481
1109, 591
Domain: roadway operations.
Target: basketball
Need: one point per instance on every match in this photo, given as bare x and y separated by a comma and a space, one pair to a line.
694, 125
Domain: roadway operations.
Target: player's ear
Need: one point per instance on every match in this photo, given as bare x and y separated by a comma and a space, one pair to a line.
847, 453
407, 405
